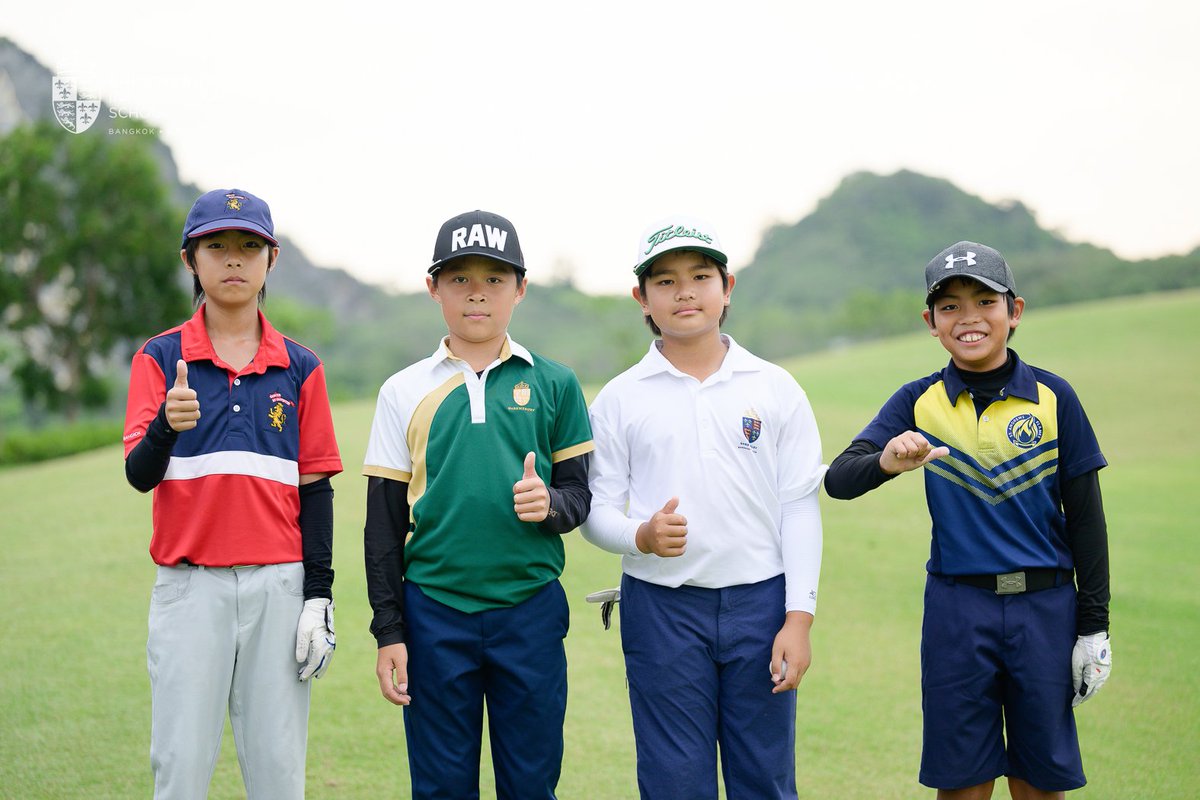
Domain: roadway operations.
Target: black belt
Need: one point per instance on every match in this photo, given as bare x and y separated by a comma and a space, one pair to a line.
1026, 580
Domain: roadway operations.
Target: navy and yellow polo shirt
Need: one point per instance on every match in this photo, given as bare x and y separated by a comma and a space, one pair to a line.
995, 500
459, 441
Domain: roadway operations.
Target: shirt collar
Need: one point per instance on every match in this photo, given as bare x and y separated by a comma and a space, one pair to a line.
507, 350
1023, 382
196, 346
737, 359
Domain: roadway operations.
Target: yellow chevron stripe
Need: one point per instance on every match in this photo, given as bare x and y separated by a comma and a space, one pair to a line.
970, 471
987, 497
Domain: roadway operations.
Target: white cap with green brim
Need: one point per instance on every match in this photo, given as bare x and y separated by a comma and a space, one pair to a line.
678, 232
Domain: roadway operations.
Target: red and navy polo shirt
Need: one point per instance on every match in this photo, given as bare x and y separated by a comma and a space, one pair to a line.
230, 495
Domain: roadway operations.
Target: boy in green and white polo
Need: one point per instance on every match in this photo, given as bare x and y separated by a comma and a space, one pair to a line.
477, 463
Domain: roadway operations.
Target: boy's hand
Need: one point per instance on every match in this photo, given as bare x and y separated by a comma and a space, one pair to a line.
791, 654
1091, 663
391, 667
183, 409
908, 451
665, 533
531, 498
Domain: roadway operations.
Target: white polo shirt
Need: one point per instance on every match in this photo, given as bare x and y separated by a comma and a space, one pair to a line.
741, 452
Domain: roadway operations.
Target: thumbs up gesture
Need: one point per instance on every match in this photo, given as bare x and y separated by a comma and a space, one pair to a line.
531, 498
665, 533
183, 409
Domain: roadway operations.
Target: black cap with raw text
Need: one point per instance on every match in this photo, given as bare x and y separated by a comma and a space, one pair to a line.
477, 233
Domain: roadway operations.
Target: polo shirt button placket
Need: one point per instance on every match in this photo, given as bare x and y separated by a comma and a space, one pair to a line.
240, 421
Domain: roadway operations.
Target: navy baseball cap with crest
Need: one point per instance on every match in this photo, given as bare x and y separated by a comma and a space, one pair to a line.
478, 233
969, 260
229, 210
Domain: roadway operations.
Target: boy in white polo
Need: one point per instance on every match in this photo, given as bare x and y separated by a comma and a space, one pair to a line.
705, 480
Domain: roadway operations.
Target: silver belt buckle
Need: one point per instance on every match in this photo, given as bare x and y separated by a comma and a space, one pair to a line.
1010, 583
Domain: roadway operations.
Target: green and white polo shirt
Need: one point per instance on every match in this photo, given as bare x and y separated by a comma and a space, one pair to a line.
459, 441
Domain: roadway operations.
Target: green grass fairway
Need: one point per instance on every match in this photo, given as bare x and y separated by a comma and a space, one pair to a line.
75, 582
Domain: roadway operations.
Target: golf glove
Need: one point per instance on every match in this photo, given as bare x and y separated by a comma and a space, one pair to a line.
1091, 663
315, 641
607, 599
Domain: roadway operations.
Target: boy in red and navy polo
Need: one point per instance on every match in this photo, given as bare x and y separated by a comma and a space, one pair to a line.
229, 423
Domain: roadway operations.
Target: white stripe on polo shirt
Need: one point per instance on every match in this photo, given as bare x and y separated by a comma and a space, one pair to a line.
736, 449
234, 462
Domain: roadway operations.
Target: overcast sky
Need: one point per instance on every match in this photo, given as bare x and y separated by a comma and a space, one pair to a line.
366, 126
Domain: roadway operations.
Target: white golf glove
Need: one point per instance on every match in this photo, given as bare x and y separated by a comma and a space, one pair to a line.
315, 641
607, 599
1091, 663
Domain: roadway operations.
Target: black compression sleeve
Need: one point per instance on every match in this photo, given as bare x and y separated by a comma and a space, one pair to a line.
383, 550
1087, 536
147, 461
855, 471
316, 537
570, 497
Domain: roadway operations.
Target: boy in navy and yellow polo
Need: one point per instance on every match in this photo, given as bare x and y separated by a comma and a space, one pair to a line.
1009, 645
477, 463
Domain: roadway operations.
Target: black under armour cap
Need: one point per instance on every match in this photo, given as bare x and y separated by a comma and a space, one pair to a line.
969, 260
477, 233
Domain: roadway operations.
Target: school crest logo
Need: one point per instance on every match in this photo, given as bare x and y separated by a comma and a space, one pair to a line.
1025, 431
522, 394
233, 202
277, 415
75, 106
751, 426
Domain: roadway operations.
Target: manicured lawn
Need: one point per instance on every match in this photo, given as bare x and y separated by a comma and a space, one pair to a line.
75, 580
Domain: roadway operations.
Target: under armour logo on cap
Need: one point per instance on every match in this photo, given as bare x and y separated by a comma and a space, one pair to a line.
969, 260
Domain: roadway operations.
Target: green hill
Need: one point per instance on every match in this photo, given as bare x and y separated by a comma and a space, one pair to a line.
852, 269
849, 271
76, 580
